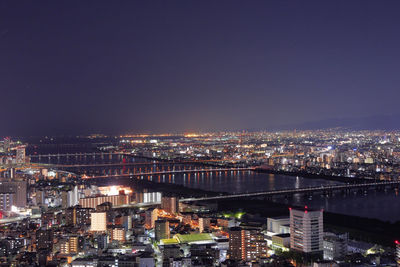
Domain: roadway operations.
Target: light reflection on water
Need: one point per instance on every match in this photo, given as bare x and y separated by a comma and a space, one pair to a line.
380, 205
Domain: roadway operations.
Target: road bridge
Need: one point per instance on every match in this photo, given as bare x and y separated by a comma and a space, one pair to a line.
170, 172
316, 189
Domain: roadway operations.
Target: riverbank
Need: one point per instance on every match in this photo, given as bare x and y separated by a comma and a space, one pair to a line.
151, 186
359, 228
341, 179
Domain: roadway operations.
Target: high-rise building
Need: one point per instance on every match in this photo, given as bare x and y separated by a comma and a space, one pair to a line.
70, 198
255, 245
170, 204
6, 201
236, 245
306, 230
204, 223
18, 188
161, 229
154, 217
40, 196
148, 197
20, 156
98, 222
77, 216
397, 252
247, 244
73, 244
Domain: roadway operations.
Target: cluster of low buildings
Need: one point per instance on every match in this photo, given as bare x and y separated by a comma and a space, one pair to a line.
364, 154
114, 226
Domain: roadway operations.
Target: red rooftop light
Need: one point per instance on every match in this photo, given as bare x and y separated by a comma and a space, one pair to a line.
396, 242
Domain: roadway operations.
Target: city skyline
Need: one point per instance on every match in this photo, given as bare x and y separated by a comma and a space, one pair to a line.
75, 67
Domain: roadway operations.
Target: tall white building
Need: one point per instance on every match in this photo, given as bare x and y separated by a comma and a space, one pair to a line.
72, 197
306, 230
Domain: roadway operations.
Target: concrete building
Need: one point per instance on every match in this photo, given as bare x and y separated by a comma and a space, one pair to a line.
118, 234
77, 216
281, 241
69, 245
148, 197
161, 230
170, 204
44, 239
98, 222
20, 154
306, 230
93, 202
278, 225
335, 246
246, 244
17, 189
236, 246
6, 201
204, 223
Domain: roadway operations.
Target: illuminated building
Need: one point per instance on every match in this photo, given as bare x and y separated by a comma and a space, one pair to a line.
73, 244
98, 222
246, 244
306, 230
69, 245
148, 197
64, 246
236, 244
20, 156
151, 216
278, 225
397, 252
280, 241
118, 234
92, 202
18, 188
6, 201
204, 223
161, 230
76, 216
255, 245
170, 204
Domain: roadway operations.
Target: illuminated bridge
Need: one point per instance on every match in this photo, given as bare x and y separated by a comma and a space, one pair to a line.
132, 164
93, 154
170, 172
307, 190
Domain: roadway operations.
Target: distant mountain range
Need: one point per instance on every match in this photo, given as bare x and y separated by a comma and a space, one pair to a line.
377, 122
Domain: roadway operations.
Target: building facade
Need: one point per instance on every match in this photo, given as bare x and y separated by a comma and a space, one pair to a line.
306, 230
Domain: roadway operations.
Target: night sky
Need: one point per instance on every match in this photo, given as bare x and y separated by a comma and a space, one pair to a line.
72, 67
